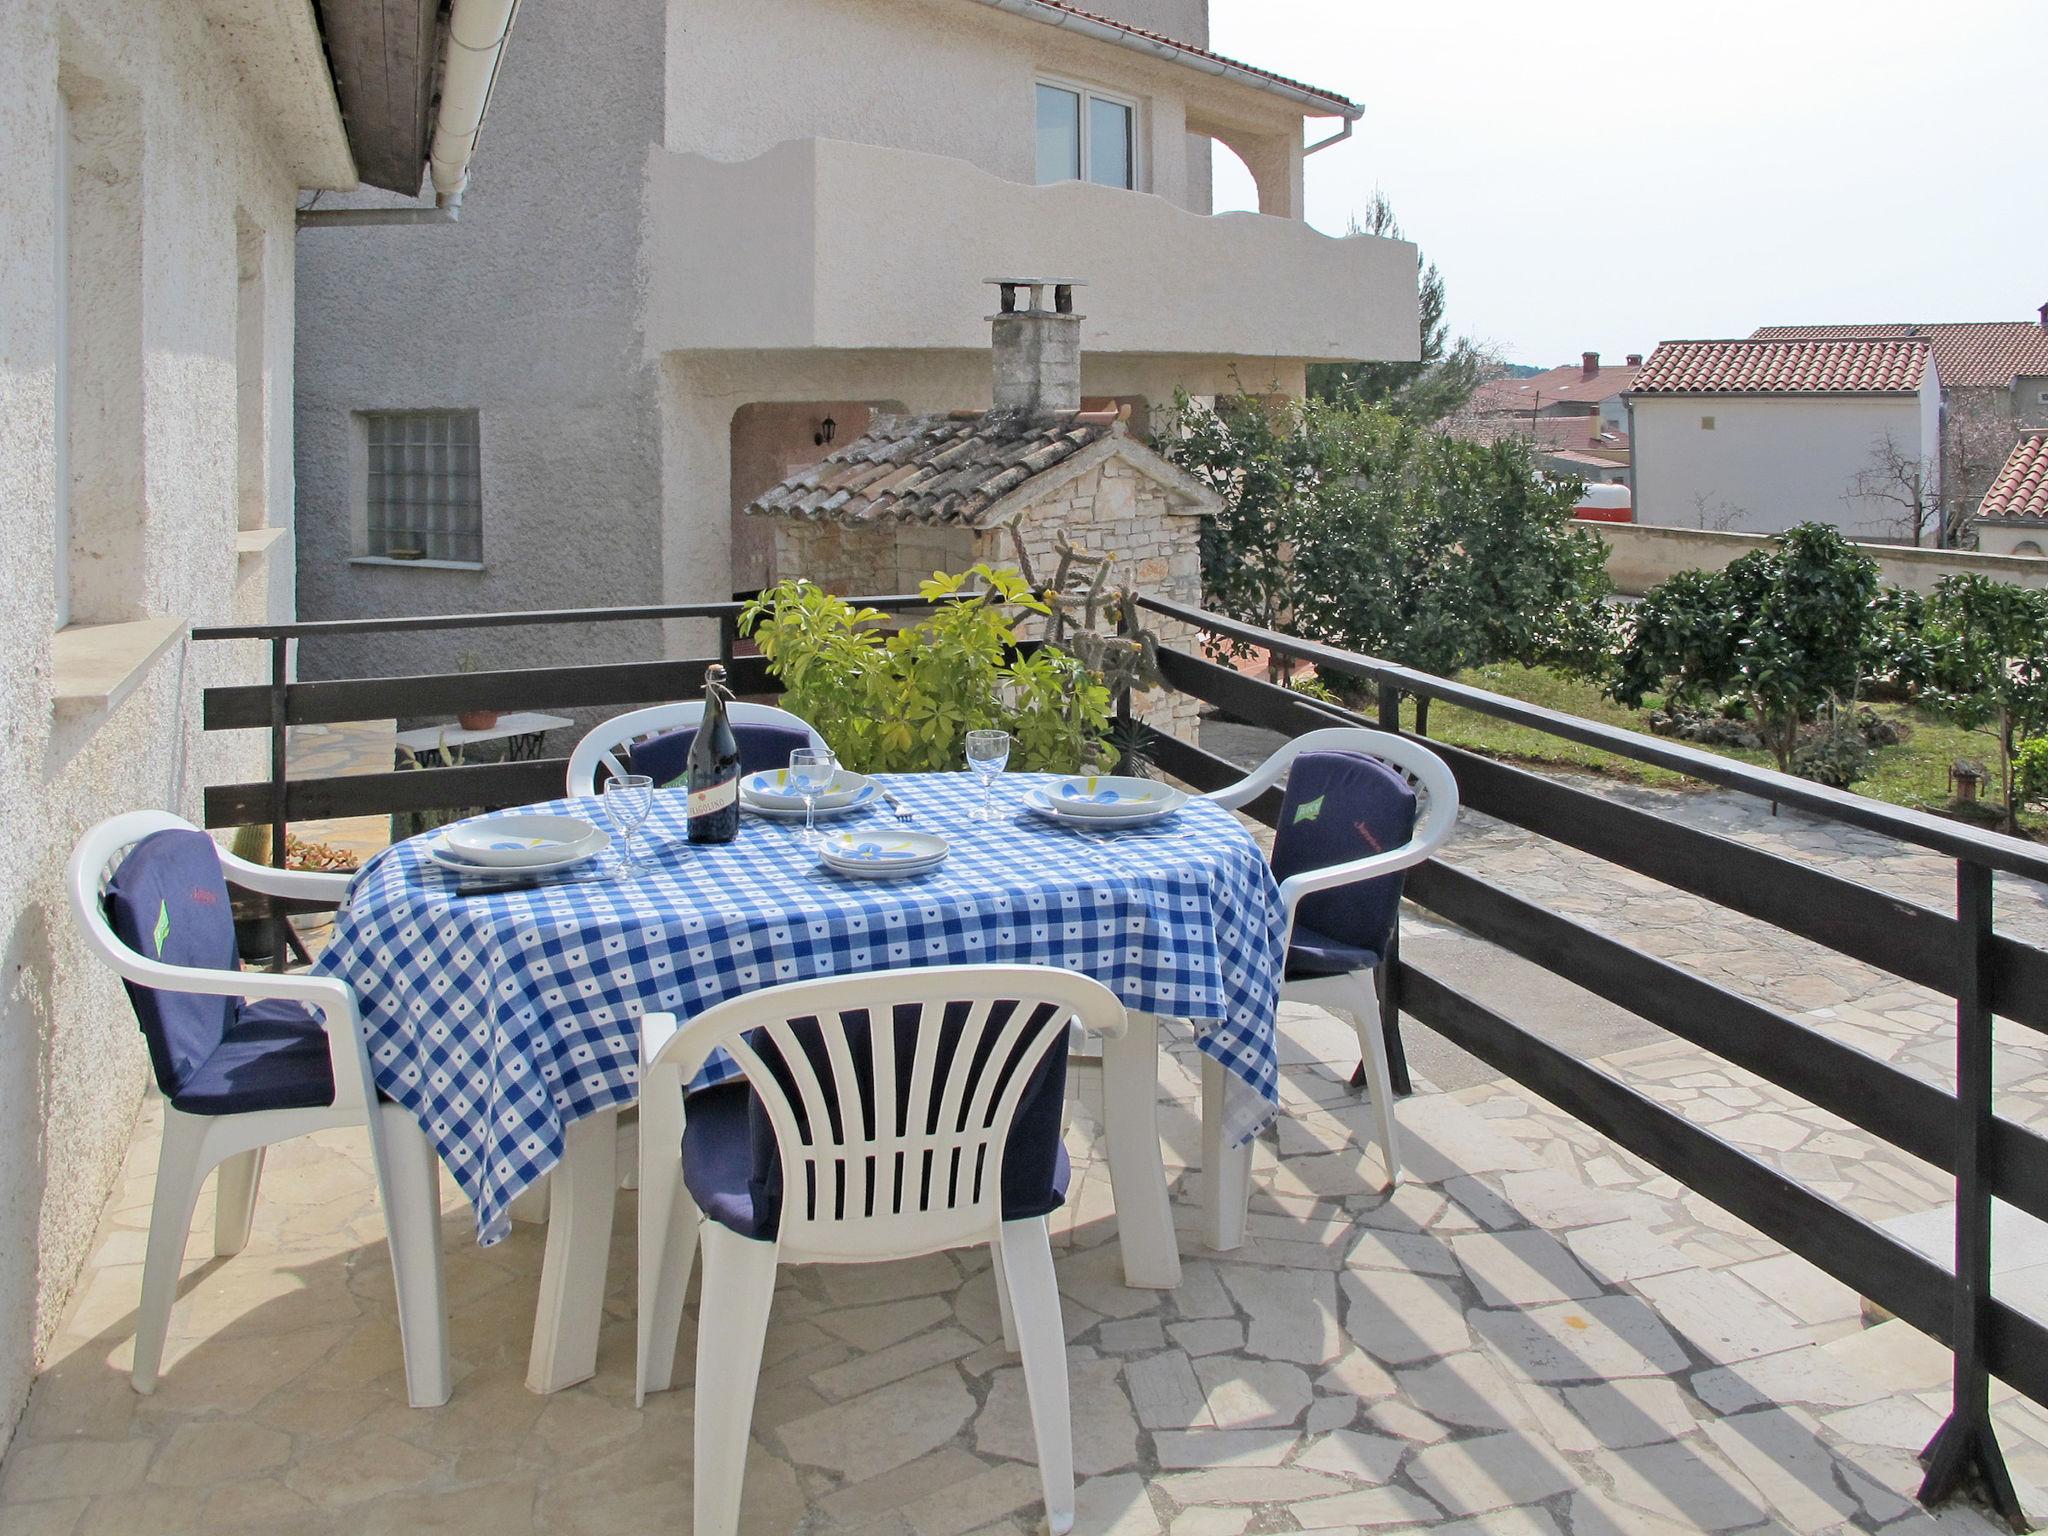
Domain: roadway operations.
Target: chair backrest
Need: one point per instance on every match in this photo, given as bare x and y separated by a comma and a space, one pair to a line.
1341, 806
656, 741
150, 884
891, 1097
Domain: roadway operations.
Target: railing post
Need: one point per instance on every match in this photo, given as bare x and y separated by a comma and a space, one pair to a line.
1967, 1441
728, 639
280, 925
1389, 973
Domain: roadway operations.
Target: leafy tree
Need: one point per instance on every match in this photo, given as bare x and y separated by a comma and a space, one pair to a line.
1983, 663
1424, 391
1441, 553
1789, 631
1351, 526
1252, 452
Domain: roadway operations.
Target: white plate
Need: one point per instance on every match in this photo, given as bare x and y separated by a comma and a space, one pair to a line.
772, 791
883, 855
439, 852
1036, 799
779, 810
1109, 796
520, 841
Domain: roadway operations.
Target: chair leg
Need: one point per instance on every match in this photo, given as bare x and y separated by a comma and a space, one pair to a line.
1137, 1171
1003, 1307
530, 1206
1372, 1047
738, 1289
234, 1201
411, 1180
180, 1170
1034, 1292
1226, 1170
669, 1223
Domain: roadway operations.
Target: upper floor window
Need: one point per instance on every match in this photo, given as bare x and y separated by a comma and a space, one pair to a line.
424, 494
1086, 136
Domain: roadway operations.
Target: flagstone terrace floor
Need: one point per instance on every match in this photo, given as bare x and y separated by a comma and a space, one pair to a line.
1536, 1334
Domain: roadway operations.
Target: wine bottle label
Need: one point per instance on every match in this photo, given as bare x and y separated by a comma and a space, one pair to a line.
714, 798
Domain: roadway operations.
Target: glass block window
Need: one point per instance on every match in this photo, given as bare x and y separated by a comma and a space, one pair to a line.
425, 491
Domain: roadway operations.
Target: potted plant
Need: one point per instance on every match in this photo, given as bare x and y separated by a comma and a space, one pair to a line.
473, 719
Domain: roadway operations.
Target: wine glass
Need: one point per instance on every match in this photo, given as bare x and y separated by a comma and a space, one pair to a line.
811, 772
627, 800
988, 752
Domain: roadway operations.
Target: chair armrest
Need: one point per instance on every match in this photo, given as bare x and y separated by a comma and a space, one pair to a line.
1235, 796
295, 884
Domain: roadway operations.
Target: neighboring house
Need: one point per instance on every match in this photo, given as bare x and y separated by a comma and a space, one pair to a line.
1756, 436
153, 154
915, 494
1994, 382
726, 236
1573, 417
2013, 517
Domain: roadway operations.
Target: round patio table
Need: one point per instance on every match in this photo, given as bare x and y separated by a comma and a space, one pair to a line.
508, 1021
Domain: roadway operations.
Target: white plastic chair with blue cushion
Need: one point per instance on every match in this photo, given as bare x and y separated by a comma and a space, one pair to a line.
847, 1142
245, 1059
1350, 823
656, 742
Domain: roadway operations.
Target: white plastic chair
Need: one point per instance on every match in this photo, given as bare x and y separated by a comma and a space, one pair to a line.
193, 1145
907, 1219
603, 744
1351, 996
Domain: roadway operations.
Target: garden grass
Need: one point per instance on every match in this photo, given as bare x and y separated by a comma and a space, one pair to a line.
1914, 773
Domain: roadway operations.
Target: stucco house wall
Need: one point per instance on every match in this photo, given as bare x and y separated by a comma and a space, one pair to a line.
204, 194
1771, 461
527, 311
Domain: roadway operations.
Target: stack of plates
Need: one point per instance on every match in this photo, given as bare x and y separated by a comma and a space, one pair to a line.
1102, 802
516, 846
883, 855
772, 794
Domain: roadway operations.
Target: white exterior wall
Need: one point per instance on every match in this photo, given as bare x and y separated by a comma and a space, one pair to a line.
939, 76
71, 1061
1771, 461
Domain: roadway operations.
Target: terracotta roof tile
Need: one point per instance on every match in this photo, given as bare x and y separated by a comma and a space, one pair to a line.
1845, 366
1554, 386
1986, 354
2021, 489
947, 468
1341, 104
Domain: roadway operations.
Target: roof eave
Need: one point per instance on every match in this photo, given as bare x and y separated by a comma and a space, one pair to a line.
1317, 103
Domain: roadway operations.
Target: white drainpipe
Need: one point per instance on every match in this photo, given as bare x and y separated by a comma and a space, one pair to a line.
477, 30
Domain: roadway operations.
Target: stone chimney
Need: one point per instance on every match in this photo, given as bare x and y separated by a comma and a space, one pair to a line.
1036, 351
2044, 317
1589, 364
1635, 359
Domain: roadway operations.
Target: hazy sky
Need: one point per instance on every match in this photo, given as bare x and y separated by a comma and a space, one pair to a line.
1603, 178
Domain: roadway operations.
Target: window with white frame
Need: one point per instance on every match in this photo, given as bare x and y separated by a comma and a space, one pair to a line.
423, 497
1086, 135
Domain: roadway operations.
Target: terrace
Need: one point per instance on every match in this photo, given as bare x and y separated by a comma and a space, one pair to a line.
1700, 1083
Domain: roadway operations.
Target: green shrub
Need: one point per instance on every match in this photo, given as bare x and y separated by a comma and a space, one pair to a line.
903, 701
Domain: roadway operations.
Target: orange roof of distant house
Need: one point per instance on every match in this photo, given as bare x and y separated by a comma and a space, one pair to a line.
1341, 106
1554, 386
2021, 489
1877, 366
1986, 354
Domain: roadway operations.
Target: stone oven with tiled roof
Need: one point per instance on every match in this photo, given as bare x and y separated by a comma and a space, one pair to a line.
918, 494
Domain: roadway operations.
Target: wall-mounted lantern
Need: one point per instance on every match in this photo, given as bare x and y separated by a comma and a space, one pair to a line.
827, 430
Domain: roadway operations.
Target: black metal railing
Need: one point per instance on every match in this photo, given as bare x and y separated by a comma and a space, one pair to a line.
1959, 954
1962, 956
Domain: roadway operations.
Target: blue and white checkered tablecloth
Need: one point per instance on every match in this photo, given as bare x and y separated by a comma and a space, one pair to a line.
498, 1019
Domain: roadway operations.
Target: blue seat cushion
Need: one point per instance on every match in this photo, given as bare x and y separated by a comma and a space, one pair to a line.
733, 1169
273, 1056
1310, 953
666, 758
1341, 806
168, 901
